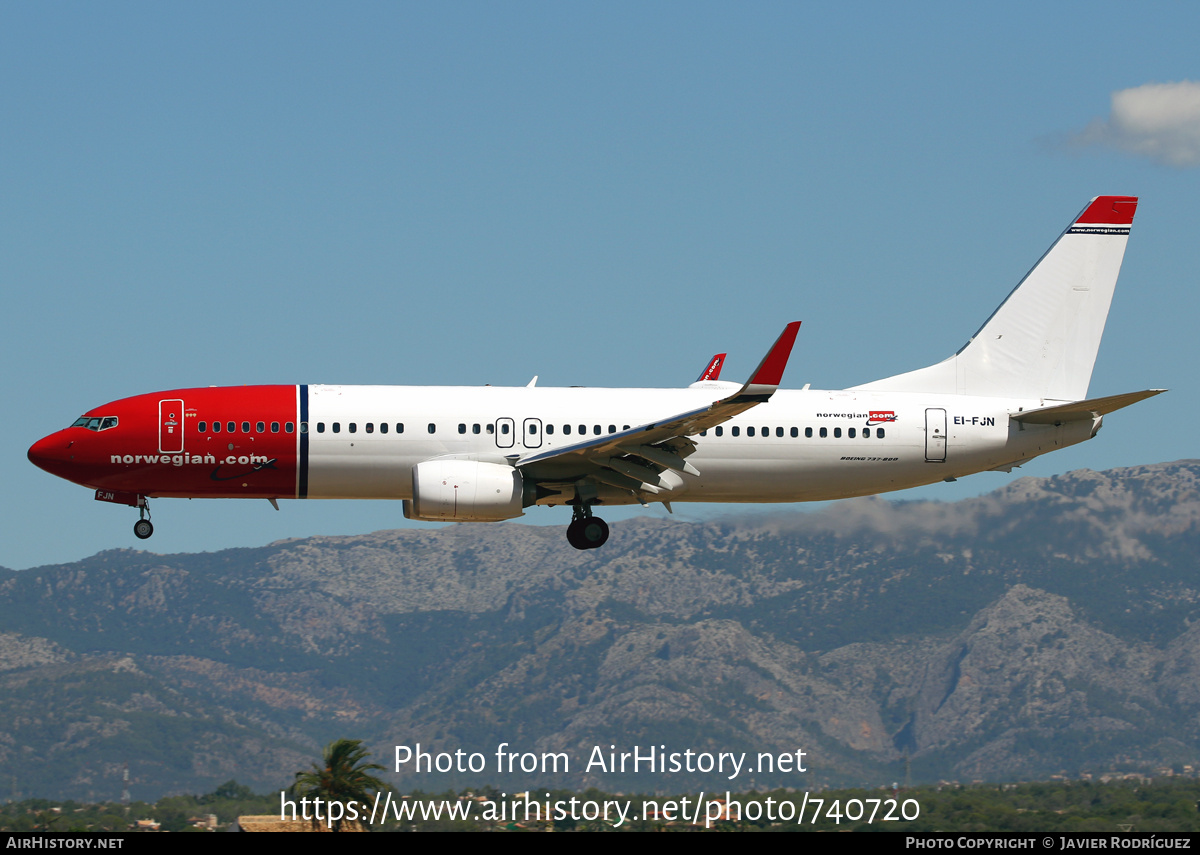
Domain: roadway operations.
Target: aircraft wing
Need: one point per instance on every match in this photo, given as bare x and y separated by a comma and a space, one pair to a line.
634, 459
1083, 410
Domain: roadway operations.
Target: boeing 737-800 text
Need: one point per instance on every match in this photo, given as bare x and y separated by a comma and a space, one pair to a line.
1016, 390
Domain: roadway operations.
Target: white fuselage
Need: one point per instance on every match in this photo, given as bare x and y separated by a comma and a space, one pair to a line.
800, 446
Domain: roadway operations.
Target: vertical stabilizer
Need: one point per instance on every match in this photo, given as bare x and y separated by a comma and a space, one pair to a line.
1043, 339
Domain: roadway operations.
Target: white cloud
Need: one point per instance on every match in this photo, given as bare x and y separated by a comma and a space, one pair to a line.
1160, 121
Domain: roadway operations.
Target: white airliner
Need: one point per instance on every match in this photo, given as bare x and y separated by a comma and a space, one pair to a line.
1017, 389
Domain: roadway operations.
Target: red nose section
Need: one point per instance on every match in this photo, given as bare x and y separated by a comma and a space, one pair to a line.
54, 454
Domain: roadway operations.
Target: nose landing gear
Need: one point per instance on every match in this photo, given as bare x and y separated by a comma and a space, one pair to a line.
143, 528
586, 531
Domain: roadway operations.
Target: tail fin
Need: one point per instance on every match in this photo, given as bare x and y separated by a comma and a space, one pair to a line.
1042, 340
712, 371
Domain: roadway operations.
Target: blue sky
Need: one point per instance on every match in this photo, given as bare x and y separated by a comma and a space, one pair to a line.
599, 194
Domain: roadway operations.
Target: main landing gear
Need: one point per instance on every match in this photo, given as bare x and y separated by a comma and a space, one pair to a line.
585, 530
143, 528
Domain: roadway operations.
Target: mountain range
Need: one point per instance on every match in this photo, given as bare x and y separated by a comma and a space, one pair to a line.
1051, 627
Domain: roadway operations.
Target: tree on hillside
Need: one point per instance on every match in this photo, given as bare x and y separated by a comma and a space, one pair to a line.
342, 778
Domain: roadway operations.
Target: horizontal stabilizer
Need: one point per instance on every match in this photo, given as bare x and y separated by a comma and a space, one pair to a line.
1083, 410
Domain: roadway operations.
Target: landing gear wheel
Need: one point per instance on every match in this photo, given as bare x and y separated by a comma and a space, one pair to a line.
587, 533
142, 529
594, 532
573, 534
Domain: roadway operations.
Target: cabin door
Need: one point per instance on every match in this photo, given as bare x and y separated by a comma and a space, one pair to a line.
505, 433
935, 436
170, 426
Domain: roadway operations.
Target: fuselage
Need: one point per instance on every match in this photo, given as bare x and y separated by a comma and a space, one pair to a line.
362, 442
1015, 390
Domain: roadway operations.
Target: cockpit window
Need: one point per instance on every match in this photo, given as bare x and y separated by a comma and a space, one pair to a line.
96, 422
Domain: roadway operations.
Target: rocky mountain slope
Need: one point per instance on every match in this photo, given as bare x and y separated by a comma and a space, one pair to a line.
1052, 626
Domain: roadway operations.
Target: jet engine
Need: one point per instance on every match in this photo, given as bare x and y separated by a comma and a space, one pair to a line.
465, 491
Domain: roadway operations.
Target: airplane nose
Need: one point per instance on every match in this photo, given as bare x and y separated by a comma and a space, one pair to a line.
53, 453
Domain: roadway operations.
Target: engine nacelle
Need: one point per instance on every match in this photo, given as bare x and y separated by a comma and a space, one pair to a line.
465, 491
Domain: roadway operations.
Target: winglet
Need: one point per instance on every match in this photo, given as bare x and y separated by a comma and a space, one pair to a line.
713, 370
765, 379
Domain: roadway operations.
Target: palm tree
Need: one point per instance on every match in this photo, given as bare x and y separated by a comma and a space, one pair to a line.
342, 777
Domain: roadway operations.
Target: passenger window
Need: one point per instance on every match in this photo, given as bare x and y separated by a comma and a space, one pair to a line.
796, 432
879, 433
337, 427
766, 431
383, 427
824, 432
475, 428
261, 427
432, 427
625, 428
749, 431
532, 430
596, 429
320, 427
202, 427
245, 427
567, 430
370, 427
779, 431
704, 433
231, 427
808, 433
735, 431
837, 433
582, 430
549, 430
612, 428
504, 428
399, 427
462, 427
216, 427
850, 433
274, 427
866, 433
491, 428
353, 427
720, 431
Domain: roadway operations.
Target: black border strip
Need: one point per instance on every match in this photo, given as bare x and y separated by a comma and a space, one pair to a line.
302, 463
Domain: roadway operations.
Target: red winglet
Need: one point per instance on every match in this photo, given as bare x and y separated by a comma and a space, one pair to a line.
770, 371
1110, 210
713, 370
